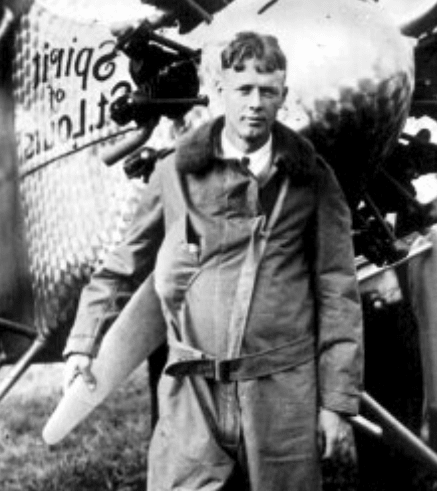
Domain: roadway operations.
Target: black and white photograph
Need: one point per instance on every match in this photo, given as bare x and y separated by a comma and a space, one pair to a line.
218, 233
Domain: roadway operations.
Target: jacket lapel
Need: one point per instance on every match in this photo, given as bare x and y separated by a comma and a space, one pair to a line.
198, 151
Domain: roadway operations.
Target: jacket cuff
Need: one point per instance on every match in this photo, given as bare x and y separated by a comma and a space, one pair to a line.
340, 402
80, 344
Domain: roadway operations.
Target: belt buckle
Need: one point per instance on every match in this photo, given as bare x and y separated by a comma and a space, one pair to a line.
221, 371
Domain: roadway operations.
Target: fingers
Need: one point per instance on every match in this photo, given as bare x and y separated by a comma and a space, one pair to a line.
69, 374
345, 447
329, 444
89, 378
335, 436
78, 365
329, 422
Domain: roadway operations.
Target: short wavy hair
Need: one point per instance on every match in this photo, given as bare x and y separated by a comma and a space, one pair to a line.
251, 45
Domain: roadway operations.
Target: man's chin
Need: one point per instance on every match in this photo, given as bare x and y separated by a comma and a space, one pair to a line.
256, 133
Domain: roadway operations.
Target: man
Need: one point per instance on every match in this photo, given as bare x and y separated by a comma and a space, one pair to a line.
254, 268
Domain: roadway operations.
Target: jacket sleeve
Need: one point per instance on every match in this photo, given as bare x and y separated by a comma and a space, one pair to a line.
339, 335
113, 283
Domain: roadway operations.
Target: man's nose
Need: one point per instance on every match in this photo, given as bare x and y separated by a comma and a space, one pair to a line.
255, 99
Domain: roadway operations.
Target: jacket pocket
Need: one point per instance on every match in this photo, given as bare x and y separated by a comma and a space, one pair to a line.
178, 262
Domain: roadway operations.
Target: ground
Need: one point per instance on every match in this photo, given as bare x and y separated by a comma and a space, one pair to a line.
106, 453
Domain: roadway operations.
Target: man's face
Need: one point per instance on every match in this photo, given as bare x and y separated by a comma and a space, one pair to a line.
251, 103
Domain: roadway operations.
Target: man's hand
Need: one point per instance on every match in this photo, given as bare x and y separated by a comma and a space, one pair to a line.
76, 365
335, 434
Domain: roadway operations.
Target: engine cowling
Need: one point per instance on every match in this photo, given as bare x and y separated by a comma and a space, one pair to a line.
351, 75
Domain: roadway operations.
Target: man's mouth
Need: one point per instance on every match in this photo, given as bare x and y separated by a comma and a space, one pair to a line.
255, 121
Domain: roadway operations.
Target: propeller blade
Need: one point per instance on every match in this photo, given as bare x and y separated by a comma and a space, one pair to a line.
138, 331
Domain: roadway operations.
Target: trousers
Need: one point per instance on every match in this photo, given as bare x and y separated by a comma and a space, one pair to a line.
264, 429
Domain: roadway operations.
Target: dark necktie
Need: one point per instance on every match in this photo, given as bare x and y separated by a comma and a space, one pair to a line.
245, 162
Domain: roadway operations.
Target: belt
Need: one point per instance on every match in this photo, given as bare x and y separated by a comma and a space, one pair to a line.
185, 361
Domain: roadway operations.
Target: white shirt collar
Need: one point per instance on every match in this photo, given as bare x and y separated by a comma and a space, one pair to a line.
260, 159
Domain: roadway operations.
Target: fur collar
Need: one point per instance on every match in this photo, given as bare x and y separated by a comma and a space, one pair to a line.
197, 152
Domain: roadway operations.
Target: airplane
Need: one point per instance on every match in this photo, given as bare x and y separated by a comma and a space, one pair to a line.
76, 94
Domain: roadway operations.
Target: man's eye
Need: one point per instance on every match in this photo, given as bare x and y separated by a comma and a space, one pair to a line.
269, 93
